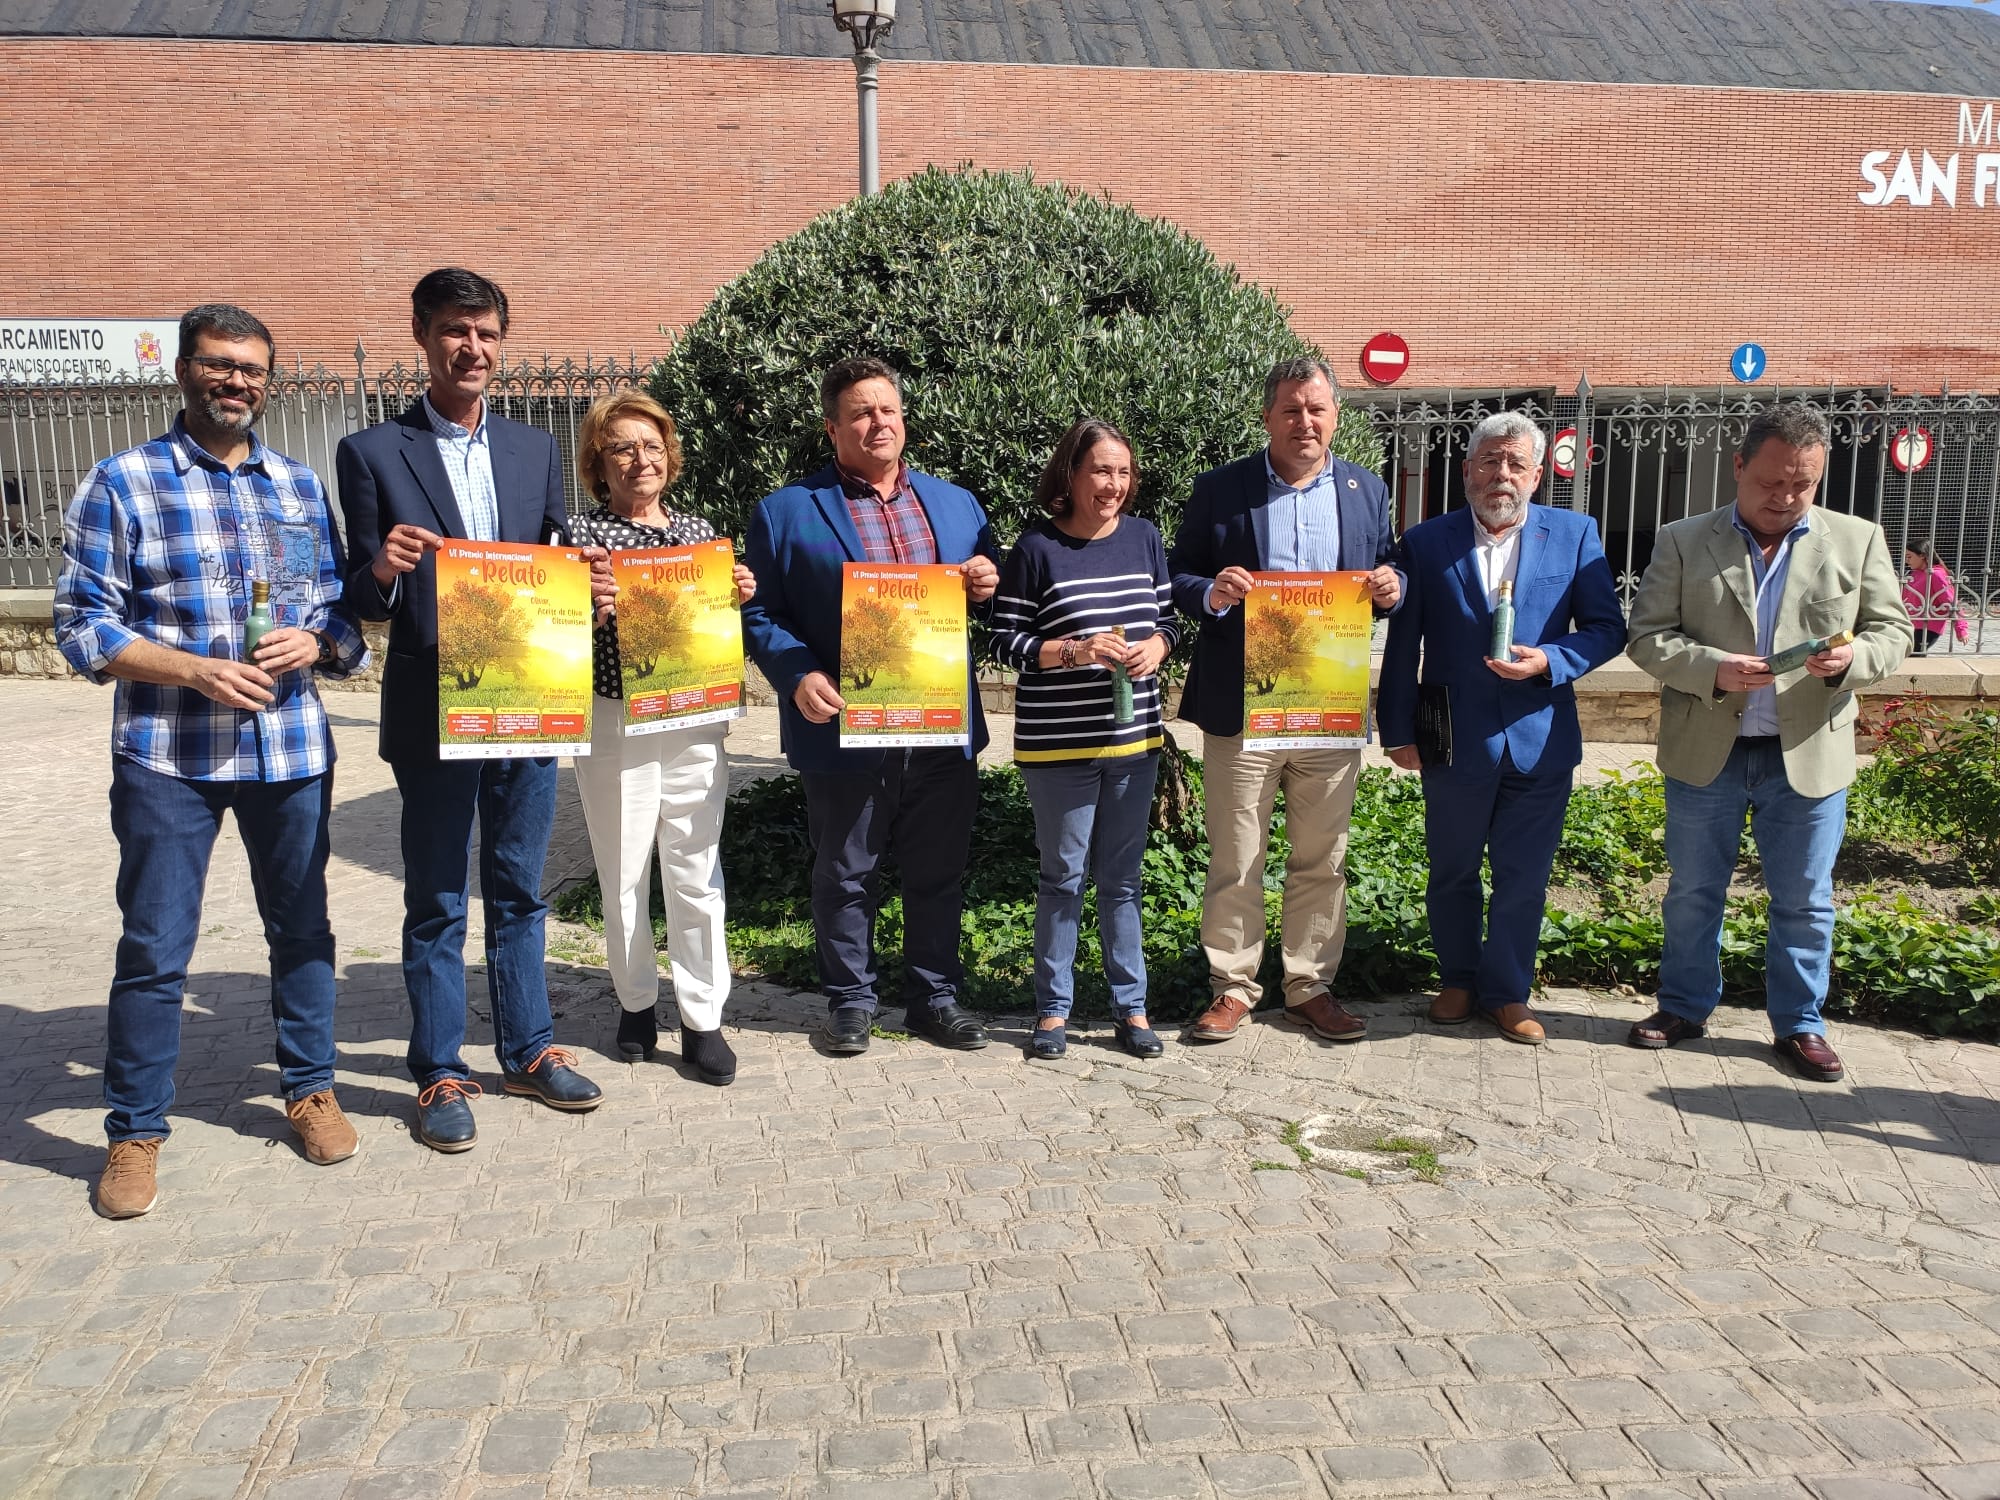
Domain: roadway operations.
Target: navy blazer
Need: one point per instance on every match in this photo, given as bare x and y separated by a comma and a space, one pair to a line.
799, 538
392, 474
1565, 602
1226, 524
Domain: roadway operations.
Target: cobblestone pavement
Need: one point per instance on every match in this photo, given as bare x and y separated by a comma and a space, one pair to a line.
920, 1274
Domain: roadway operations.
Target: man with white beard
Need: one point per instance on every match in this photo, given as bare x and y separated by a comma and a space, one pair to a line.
1492, 724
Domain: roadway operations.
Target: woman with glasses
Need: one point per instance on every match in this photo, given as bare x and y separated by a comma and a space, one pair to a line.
661, 790
1085, 615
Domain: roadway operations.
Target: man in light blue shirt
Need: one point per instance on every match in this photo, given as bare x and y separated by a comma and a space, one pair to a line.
1304, 520
1760, 707
468, 464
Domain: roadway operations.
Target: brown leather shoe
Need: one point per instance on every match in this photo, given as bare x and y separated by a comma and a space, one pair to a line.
1219, 1022
1810, 1056
1453, 1006
1325, 1017
1664, 1029
1518, 1024
129, 1186
324, 1133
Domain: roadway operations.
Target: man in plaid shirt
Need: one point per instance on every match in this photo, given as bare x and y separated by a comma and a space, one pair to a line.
160, 548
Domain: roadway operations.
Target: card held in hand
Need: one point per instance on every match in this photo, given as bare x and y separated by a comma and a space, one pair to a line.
1433, 724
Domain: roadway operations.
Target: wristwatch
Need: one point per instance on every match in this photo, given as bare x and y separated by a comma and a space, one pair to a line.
327, 654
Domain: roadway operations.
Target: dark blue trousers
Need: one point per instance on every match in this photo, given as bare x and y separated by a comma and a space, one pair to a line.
920, 803
1515, 819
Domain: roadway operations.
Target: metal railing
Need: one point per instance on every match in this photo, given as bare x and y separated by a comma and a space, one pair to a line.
1926, 467
52, 434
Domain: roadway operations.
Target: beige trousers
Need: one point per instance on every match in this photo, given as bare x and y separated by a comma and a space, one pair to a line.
1240, 788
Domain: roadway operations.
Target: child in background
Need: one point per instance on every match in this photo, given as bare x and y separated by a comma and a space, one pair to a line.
1929, 596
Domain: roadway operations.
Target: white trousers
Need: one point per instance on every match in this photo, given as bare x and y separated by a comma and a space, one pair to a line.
666, 791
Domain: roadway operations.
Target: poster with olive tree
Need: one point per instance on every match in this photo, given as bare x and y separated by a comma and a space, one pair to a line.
513, 651
904, 672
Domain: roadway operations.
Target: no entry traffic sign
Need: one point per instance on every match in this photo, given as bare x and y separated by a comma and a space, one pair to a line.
1911, 452
1385, 359
1562, 453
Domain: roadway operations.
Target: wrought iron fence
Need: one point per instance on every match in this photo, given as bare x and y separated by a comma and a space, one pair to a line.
51, 434
1926, 467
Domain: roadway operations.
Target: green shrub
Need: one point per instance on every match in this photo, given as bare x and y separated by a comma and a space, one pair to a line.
1940, 771
1012, 308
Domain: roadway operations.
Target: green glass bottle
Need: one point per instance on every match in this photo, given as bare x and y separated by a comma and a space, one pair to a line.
259, 622
1121, 687
1503, 625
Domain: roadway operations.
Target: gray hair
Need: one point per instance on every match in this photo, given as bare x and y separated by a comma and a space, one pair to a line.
1792, 423
1505, 426
1290, 371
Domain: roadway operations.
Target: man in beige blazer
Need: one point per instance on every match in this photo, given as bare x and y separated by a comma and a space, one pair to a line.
1723, 593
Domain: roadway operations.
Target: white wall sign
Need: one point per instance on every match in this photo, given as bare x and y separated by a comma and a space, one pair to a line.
92, 348
1923, 179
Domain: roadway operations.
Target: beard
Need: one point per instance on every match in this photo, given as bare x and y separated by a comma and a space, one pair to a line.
1499, 509
221, 419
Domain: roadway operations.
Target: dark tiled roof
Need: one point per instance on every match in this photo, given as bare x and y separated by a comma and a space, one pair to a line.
1810, 44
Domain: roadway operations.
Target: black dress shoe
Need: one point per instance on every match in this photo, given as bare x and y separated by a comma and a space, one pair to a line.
444, 1115
638, 1033
846, 1030
709, 1055
946, 1025
553, 1079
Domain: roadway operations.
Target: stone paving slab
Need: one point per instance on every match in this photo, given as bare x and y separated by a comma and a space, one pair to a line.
964, 1276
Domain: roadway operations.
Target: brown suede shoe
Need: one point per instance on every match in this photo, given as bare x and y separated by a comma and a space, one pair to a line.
1518, 1024
1810, 1056
323, 1129
1453, 1006
130, 1184
1325, 1017
1219, 1022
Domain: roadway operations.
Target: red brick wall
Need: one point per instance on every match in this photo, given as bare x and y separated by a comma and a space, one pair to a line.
1513, 233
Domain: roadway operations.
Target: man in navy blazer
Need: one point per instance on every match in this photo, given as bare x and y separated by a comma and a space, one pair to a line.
1514, 740
1294, 507
869, 506
449, 467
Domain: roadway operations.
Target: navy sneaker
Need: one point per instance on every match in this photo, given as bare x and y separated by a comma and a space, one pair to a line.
553, 1079
444, 1115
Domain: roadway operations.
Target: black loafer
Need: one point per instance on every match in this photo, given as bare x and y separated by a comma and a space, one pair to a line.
846, 1030
1140, 1041
709, 1055
946, 1025
638, 1033
553, 1079
444, 1115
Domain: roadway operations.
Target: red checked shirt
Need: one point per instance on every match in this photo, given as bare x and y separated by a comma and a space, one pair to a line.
895, 530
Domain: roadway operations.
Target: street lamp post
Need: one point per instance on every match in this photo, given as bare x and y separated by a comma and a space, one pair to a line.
866, 21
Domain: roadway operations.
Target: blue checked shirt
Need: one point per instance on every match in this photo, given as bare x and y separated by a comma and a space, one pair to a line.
1302, 521
160, 545
468, 464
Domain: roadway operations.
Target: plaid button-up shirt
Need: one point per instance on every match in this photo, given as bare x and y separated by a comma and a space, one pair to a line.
895, 530
160, 544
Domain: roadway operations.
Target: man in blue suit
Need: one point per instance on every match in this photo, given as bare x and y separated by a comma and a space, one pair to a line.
1514, 740
869, 506
449, 467
1293, 507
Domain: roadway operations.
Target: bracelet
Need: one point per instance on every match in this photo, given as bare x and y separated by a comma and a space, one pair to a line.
1067, 656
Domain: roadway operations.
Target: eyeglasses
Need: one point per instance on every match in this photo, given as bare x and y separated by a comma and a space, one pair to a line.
632, 453
222, 369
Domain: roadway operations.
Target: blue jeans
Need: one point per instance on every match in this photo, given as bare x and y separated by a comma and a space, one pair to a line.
166, 830
1094, 813
1513, 818
515, 803
1797, 839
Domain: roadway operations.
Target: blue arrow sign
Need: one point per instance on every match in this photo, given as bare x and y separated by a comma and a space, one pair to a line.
1748, 362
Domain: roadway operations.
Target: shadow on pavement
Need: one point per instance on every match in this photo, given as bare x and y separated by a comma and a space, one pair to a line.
1936, 1122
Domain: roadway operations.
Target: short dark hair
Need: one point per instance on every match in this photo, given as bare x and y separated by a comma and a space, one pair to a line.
1793, 423
455, 287
844, 374
1052, 489
1299, 367
228, 321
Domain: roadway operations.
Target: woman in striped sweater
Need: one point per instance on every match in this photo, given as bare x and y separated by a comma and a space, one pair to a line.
1085, 600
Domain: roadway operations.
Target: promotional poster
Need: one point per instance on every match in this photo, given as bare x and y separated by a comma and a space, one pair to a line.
1305, 661
903, 662
680, 636
513, 651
